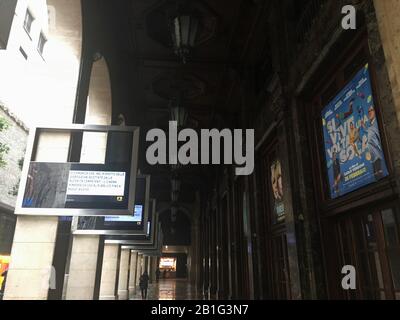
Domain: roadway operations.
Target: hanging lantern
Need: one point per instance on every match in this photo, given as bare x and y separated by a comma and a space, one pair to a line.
179, 114
185, 27
176, 167
175, 185
174, 196
174, 212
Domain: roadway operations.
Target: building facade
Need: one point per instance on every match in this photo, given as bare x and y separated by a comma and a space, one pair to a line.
13, 138
326, 116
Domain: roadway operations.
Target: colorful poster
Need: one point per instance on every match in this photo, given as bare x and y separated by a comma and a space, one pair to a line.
353, 146
4, 263
277, 189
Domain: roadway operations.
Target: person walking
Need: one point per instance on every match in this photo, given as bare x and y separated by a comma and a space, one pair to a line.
144, 284
158, 272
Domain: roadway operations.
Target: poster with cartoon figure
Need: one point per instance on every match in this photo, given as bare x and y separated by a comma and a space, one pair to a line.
353, 146
277, 189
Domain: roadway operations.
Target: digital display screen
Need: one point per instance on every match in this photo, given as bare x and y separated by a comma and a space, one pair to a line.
135, 221
75, 185
352, 141
136, 217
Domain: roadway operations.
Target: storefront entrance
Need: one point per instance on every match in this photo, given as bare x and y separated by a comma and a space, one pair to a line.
369, 241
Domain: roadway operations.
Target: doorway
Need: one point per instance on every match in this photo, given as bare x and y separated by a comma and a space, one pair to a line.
369, 241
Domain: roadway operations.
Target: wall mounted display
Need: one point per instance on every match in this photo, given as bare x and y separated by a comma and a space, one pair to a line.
135, 224
147, 237
352, 139
80, 189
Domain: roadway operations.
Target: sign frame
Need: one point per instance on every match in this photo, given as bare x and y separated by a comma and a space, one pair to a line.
154, 231
156, 247
348, 164
117, 232
77, 128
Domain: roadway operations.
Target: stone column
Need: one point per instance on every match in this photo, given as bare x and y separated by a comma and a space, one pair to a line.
123, 275
139, 268
132, 273
154, 268
109, 272
32, 252
31, 258
389, 28
149, 272
82, 270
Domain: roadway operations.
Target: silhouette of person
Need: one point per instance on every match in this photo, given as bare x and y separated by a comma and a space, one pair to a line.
144, 284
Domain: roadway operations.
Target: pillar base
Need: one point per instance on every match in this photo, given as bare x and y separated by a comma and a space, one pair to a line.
107, 298
123, 295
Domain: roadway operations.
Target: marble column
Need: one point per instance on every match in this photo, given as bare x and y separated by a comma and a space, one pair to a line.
32, 252
31, 258
123, 275
82, 269
389, 28
109, 272
132, 273
139, 268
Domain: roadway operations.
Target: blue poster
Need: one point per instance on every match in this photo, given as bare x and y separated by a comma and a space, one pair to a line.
353, 147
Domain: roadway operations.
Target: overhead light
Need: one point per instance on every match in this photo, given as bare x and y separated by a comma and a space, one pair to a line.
179, 114
174, 212
185, 26
97, 56
174, 196
175, 185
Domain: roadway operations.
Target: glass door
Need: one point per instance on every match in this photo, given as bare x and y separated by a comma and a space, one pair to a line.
370, 242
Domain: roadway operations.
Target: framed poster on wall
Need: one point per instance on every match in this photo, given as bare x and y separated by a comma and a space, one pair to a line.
352, 140
277, 190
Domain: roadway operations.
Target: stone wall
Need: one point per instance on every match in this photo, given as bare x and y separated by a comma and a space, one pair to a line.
15, 137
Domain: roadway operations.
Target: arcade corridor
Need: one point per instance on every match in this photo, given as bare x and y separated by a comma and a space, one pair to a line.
243, 149
171, 289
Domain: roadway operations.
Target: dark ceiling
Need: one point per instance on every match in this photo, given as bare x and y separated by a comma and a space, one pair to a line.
146, 74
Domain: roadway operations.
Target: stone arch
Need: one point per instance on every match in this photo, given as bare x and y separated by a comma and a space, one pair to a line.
99, 103
98, 111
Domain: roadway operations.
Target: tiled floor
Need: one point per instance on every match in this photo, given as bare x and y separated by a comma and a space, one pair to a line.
169, 289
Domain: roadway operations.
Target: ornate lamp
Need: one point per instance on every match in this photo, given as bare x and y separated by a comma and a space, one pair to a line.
174, 211
174, 196
179, 114
175, 185
185, 26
